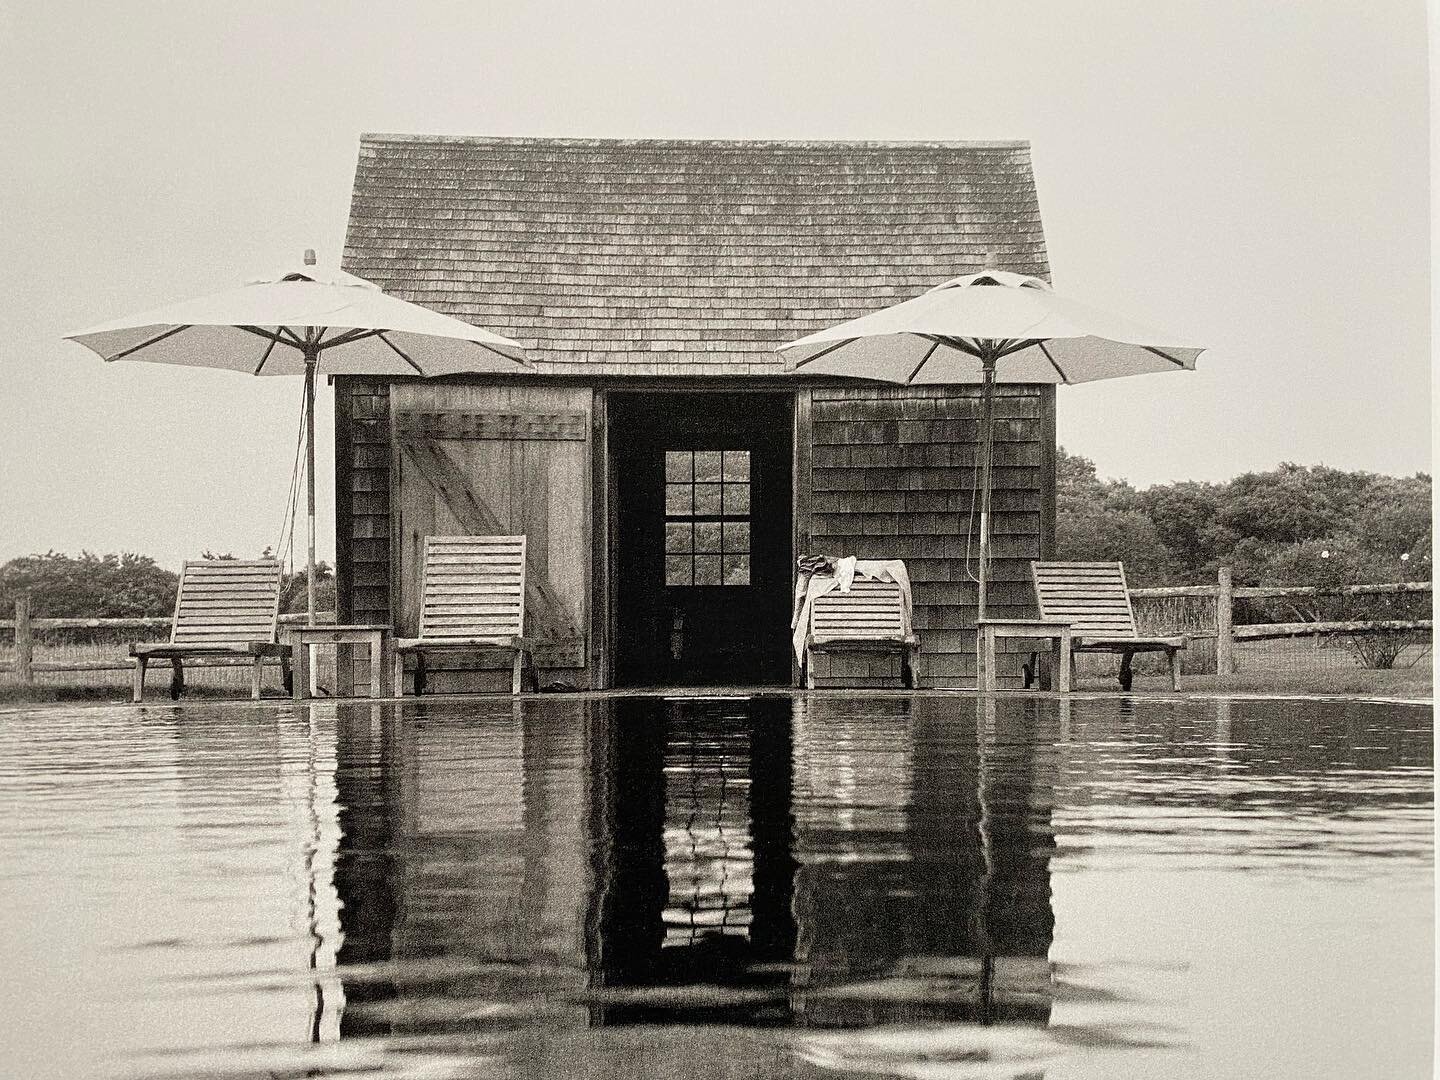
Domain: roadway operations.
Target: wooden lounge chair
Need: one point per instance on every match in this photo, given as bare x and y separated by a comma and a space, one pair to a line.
870, 617
1093, 598
224, 607
472, 599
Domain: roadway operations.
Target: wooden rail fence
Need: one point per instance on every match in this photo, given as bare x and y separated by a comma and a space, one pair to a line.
1226, 633
26, 666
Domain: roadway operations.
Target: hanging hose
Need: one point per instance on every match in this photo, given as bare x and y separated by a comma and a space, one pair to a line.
285, 545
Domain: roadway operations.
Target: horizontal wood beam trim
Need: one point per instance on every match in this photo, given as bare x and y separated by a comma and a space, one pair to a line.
461, 424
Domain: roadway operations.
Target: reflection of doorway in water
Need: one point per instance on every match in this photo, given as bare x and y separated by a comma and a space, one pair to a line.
697, 863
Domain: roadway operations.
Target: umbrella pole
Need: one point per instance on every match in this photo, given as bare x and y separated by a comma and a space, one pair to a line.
310, 364
312, 359
987, 417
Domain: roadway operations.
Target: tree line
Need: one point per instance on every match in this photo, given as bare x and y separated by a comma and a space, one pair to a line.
123, 586
1292, 525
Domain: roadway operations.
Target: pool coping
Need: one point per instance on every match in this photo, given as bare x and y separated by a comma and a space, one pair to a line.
724, 693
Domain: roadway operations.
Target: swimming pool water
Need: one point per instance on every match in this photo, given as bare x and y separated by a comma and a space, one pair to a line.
928, 886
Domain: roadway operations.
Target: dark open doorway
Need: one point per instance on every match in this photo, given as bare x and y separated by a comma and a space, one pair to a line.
702, 485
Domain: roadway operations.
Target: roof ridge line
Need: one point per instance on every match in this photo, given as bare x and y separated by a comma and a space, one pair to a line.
799, 144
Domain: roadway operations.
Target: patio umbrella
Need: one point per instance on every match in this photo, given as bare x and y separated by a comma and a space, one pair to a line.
300, 322
994, 326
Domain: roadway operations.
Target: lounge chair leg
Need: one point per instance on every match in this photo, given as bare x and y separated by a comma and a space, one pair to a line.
515, 671
257, 665
398, 686
177, 678
419, 674
138, 691
809, 666
287, 676
1126, 676
1174, 659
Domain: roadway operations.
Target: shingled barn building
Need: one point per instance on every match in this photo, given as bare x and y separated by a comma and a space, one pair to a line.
664, 465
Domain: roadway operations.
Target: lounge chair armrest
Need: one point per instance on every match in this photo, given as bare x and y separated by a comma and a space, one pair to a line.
167, 649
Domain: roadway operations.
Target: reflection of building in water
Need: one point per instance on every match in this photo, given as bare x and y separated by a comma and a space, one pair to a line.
927, 897
822, 861
464, 868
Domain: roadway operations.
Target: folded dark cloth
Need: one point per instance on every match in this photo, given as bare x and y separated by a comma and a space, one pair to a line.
816, 564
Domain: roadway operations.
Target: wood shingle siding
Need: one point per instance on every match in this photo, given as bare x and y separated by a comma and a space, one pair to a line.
680, 257
362, 510
861, 504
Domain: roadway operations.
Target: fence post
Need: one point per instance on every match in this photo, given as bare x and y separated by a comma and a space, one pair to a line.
24, 644
1224, 628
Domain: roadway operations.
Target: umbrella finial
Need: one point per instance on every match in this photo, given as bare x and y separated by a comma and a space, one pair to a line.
309, 256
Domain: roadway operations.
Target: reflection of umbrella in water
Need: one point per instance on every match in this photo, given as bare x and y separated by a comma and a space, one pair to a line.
301, 322
989, 327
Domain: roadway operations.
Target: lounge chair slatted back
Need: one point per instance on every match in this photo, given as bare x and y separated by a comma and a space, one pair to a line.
1092, 597
1095, 600
472, 597
224, 607
474, 587
870, 611
870, 617
227, 602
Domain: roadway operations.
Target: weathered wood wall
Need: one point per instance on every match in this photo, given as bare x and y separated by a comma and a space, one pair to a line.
893, 474
418, 459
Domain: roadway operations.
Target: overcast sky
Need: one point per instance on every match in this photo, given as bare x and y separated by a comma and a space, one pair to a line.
1251, 176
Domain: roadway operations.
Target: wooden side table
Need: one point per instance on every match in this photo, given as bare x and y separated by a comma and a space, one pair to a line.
374, 635
988, 631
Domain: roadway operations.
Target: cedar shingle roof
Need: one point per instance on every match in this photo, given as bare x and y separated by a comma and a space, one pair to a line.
680, 257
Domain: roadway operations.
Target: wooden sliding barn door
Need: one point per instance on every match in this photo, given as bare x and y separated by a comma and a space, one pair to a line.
482, 460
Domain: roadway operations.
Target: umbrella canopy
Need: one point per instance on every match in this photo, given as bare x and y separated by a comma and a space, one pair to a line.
304, 321
948, 334
994, 326
277, 324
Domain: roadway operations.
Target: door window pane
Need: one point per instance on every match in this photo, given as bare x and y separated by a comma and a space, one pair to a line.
737, 466
737, 538
678, 569
678, 500
678, 538
678, 466
737, 499
707, 536
737, 569
707, 499
707, 570
707, 465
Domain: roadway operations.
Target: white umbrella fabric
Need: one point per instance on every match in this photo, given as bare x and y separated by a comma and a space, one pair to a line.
994, 326
300, 322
